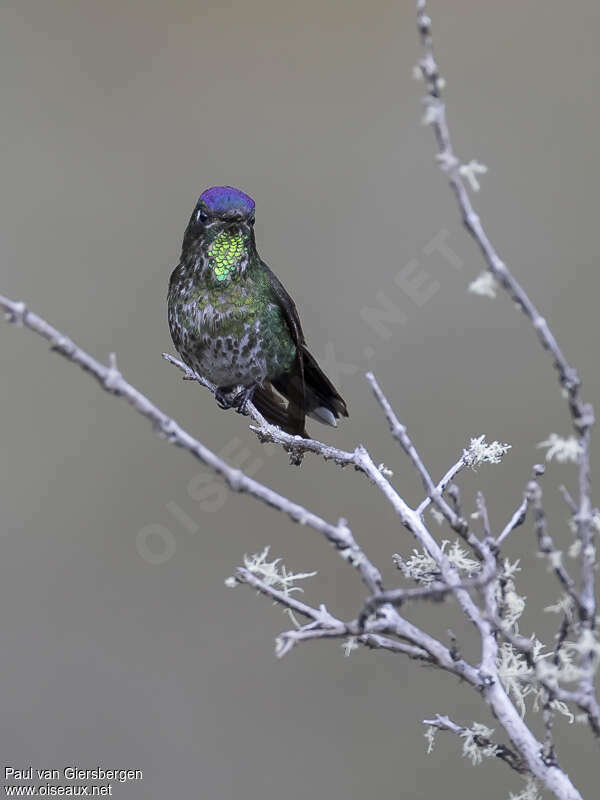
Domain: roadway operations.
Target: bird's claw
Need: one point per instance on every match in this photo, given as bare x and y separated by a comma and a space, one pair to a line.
223, 401
241, 400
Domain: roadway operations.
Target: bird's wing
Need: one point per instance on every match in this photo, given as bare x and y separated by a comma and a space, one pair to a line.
296, 389
287, 305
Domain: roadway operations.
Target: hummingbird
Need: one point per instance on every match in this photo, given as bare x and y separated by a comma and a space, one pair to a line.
234, 324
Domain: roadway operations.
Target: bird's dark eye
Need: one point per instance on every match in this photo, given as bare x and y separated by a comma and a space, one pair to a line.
202, 216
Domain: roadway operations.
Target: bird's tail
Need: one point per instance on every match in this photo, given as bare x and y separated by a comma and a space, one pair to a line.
272, 407
321, 400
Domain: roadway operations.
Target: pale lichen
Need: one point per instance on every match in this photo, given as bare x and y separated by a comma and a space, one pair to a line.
561, 448
482, 452
484, 285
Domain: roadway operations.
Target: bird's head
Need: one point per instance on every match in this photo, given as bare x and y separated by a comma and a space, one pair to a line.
224, 205
221, 230
219, 209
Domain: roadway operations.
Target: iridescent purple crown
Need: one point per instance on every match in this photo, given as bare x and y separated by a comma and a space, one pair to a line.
222, 199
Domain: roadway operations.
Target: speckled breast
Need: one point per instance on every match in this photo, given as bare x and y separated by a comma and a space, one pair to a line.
227, 337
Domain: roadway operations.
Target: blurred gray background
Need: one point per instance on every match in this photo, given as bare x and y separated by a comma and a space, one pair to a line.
121, 646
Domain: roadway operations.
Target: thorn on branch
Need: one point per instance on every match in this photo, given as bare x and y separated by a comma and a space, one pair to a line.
486, 679
113, 376
454, 646
15, 313
62, 344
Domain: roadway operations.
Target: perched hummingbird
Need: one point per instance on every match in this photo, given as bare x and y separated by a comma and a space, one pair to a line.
233, 322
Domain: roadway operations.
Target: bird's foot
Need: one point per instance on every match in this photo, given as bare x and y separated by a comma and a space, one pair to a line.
222, 398
241, 400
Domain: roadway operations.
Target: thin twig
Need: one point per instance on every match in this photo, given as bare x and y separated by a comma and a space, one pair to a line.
442, 485
517, 519
400, 434
411, 640
501, 751
435, 591
547, 548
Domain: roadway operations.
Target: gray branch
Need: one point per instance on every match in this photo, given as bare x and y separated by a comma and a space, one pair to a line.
501, 751
581, 413
111, 380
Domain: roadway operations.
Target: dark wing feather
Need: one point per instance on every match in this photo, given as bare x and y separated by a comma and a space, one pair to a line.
320, 391
271, 406
306, 386
287, 305
296, 412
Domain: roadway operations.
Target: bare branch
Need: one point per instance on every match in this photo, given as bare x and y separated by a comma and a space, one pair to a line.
568, 499
415, 642
547, 548
361, 460
501, 751
553, 778
582, 414
320, 615
376, 641
442, 485
517, 519
586, 702
111, 380
400, 434
297, 446
436, 591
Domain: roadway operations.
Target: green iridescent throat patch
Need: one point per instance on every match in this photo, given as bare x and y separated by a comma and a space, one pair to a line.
226, 253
